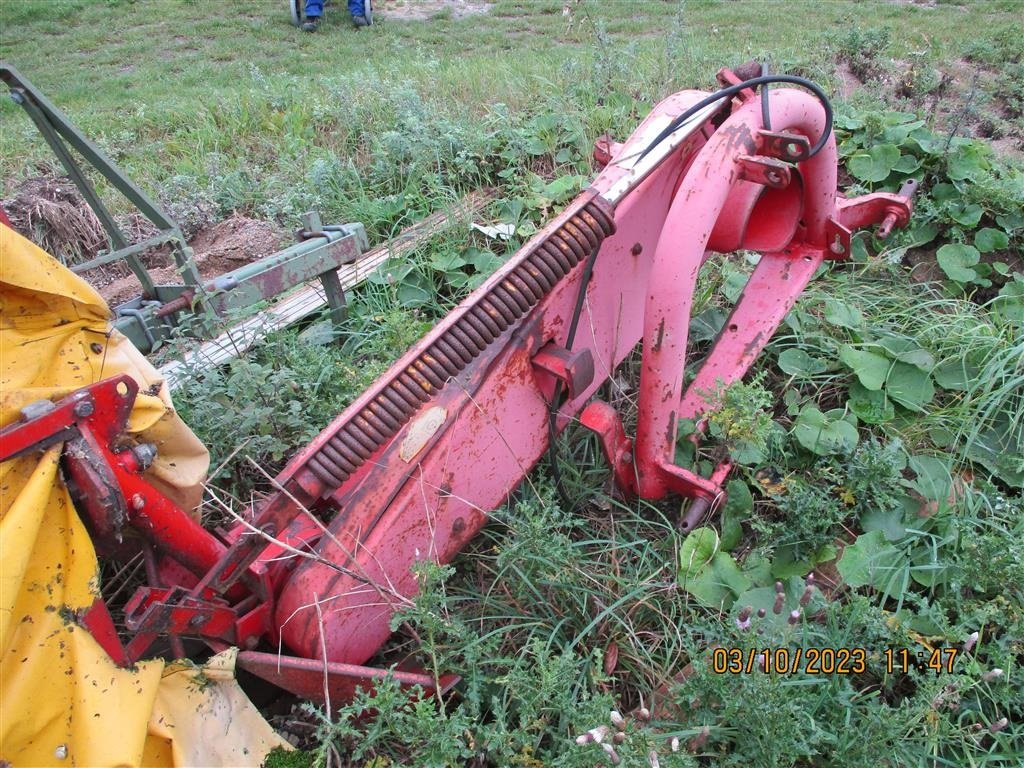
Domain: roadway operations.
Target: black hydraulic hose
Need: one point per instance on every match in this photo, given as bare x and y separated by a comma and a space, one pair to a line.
766, 117
732, 90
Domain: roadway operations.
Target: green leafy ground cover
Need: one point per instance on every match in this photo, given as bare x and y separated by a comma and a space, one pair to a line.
879, 441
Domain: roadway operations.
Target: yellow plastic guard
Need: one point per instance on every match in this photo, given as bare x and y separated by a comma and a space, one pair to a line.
63, 701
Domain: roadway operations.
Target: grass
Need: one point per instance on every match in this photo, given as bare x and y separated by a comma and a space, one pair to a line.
553, 616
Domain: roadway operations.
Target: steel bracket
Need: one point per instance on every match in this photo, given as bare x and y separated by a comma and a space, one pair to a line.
791, 147
574, 369
766, 171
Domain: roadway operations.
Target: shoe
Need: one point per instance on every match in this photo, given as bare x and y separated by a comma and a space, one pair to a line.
360, 21
311, 24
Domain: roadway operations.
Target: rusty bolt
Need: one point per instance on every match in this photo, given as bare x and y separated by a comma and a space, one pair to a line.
144, 454
197, 621
637, 249
83, 408
138, 502
96, 348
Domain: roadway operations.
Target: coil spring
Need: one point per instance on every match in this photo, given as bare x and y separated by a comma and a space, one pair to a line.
505, 303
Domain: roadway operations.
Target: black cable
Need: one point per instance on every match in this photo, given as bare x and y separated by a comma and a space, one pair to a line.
556, 398
732, 90
766, 117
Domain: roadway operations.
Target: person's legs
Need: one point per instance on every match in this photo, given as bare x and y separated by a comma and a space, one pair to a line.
314, 10
358, 10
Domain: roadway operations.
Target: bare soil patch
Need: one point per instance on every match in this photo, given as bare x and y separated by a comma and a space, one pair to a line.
218, 248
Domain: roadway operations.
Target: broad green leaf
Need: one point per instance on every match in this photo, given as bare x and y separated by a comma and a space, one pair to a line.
849, 121
874, 165
926, 569
923, 234
414, 291
696, 551
870, 368
907, 350
988, 240
1011, 221
933, 477
956, 261
563, 187
944, 193
966, 214
1000, 449
483, 260
927, 141
909, 386
897, 134
824, 434
718, 584
796, 362
726, 570
859, 249
733, 283
757, 568
870, 406
448, 261
872, 561
968, 163
1009, 304
941, 437
788, 563
888, 521
760, 598
956, 374
907, 164
707, 325
841, 314
738, 506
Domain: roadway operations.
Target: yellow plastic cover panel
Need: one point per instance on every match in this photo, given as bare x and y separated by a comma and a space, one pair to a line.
63, 701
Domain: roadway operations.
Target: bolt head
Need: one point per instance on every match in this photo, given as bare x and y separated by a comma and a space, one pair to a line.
83, 408
144, 454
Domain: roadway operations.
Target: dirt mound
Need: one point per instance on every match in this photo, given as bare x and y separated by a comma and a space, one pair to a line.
219, 248
232, 242
50, 212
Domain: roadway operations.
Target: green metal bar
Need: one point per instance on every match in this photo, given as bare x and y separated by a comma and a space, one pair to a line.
92, 154
120, 253
335, 300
